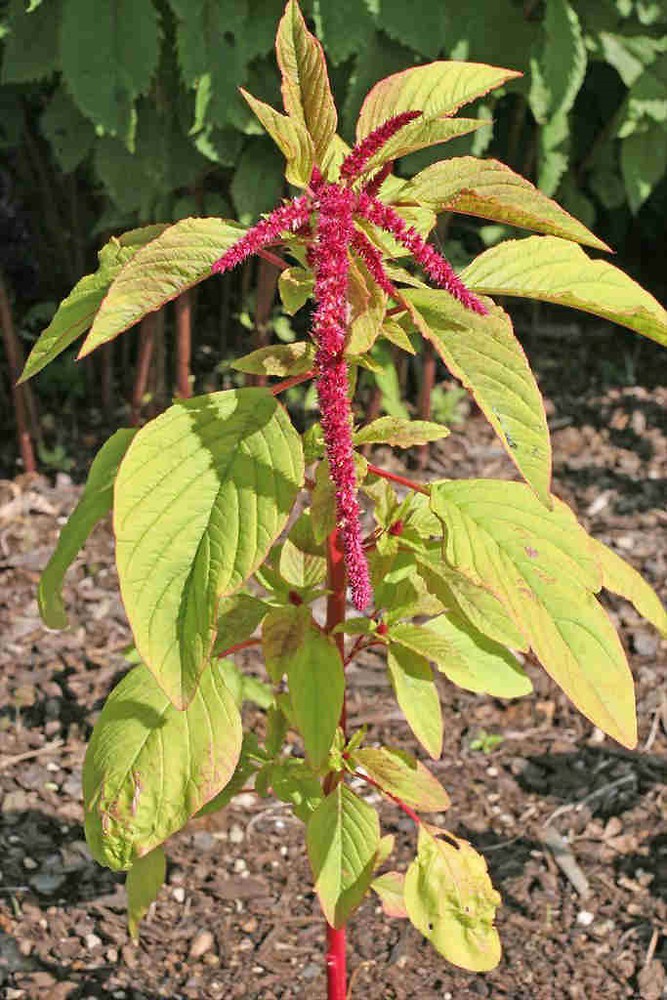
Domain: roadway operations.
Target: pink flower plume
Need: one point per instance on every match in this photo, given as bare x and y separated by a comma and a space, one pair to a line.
289, 217
436, 266
356, 160
335, 230
372, 258
378, 179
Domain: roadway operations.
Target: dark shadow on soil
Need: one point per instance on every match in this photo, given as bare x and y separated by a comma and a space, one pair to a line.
609, 782
653, 860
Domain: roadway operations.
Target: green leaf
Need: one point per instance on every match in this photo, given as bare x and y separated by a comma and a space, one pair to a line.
474, 601
143, 883
305, 83
316, 685
291, 138
484, 354
245, 687
292, 781
149, 767
399, 433
389, 888
283, 633
77, 311
295, 285
420, 24
31, 42
238, 617
343, 836
70, 134
278, 359
402, 775
477, 663
368, 304
302, 559
553, 270
543, 567
416, 694
437, 90
621, 578
246, 767
109, 52
178, 258
95, 502
422, 134
451, 901
258, 180
643, 163
344, 27
490, 190
202, 494
558, 73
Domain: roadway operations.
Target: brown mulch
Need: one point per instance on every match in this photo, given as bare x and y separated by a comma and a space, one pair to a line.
237, 917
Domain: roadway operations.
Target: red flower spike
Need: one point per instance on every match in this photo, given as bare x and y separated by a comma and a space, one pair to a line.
289, 217
435, 265
372, 258
378, 179
355, 161
335, 229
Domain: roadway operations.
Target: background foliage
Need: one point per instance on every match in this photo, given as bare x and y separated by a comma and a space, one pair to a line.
115, 113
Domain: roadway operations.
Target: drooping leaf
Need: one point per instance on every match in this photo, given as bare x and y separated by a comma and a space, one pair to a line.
477, 663
77, 311
203, 492
483, 352
30, 42
109, 52
95, 502
180, 257
143, 883
400, 433
554, 270
437, 90
491, 190
278, 359
416, 694
302, 559
305, 83
343, 837
621, 578
316, 684
149, 767
543, 567
390, 889
70, 134
238, 617
451, 901
291, 137
404, 776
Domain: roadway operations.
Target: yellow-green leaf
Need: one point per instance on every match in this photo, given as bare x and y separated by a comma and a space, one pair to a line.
421, 134
451, 901
477, 663
389, 888
302, 559
401, 774
491, 190
554, 270
143, 883
75, 313
305, 83
343, 837
201, 495
95, 502
180, 257
278, 359
543, 567
412, 680
437, 89
316, 685
291, 137
400, 433
238, 617
149, 767
621, 578
283, 632
483, 352
295, 285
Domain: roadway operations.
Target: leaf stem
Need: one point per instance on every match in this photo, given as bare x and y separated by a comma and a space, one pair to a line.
289, 383
239, 646
274, 259
394, 798
401, 480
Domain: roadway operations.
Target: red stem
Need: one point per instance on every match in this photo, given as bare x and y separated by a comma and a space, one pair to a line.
19, 392
145, 353
426, 390
239, 646
183, 344
273, 258
394, 798
401, 480
288, 383
335, 959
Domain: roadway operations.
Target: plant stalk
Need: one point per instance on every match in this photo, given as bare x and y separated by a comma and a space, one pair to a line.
183, 344
144, 355
19, 392
336, 938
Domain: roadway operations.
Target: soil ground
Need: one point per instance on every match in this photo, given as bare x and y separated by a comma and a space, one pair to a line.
237, 917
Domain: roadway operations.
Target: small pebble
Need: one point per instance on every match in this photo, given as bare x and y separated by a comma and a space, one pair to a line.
236, 834
201, 943
92, 941
240, 865
30, 864
179, 894
585, 918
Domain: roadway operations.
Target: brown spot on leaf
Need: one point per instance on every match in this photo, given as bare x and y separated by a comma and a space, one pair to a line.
531, 552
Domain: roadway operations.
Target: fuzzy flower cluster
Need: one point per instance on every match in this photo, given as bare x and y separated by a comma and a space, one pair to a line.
326, 216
